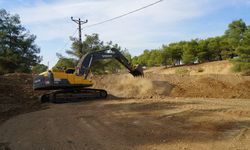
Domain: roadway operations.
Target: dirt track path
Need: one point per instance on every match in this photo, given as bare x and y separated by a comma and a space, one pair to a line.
132, 124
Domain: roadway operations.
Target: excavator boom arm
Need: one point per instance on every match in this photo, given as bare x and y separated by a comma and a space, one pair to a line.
86, 61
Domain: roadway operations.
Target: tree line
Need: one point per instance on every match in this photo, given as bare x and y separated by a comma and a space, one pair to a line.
233, 45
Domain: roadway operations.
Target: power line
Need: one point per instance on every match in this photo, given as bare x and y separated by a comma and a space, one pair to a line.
95, 24
117, 17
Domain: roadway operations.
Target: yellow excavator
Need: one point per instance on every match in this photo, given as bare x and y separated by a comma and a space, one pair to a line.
73, 84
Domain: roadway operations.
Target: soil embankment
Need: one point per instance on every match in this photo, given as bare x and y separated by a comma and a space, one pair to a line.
17, 95
160, 85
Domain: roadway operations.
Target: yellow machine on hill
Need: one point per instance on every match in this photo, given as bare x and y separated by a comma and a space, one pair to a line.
72, 84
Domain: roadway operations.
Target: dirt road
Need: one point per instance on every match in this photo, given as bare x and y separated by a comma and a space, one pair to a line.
132, 124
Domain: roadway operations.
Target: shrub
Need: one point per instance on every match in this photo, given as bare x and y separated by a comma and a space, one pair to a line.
182, 71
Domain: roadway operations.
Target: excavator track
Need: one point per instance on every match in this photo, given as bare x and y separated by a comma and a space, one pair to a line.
73, 95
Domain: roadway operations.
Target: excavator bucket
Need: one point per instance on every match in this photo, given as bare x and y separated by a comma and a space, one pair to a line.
137, 71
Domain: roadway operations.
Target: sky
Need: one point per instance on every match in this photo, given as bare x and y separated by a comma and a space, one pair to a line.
166, 22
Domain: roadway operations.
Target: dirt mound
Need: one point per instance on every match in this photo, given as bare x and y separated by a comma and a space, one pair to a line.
243, 85
125, 85
17, 95
212, 87
243, 89
204, 87
158, 85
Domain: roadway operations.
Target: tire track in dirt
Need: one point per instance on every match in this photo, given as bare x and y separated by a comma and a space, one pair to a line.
132, 124
218, 109
101, 132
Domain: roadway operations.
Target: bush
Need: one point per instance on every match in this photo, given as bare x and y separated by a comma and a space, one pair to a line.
182, 71
243, 67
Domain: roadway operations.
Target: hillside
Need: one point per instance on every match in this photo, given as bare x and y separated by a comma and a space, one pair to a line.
216, 67
207, 80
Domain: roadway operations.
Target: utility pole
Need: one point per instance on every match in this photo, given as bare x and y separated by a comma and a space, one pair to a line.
79, 22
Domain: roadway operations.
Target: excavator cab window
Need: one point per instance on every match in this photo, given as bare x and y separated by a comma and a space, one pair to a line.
70, 71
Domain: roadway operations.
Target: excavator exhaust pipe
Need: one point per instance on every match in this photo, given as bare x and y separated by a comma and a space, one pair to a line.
137, 71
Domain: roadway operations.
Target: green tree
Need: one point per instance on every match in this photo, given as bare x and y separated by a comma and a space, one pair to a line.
150, 58
18, 51
233, 36
143, 58
242, 63
190, 52
175, 51
203, 52
39, 68
135, 60
90, 44
93, 43
215, 48
155, 58
226, 49
65, 63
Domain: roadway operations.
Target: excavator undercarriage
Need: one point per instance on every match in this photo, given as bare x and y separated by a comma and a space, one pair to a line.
73, 95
